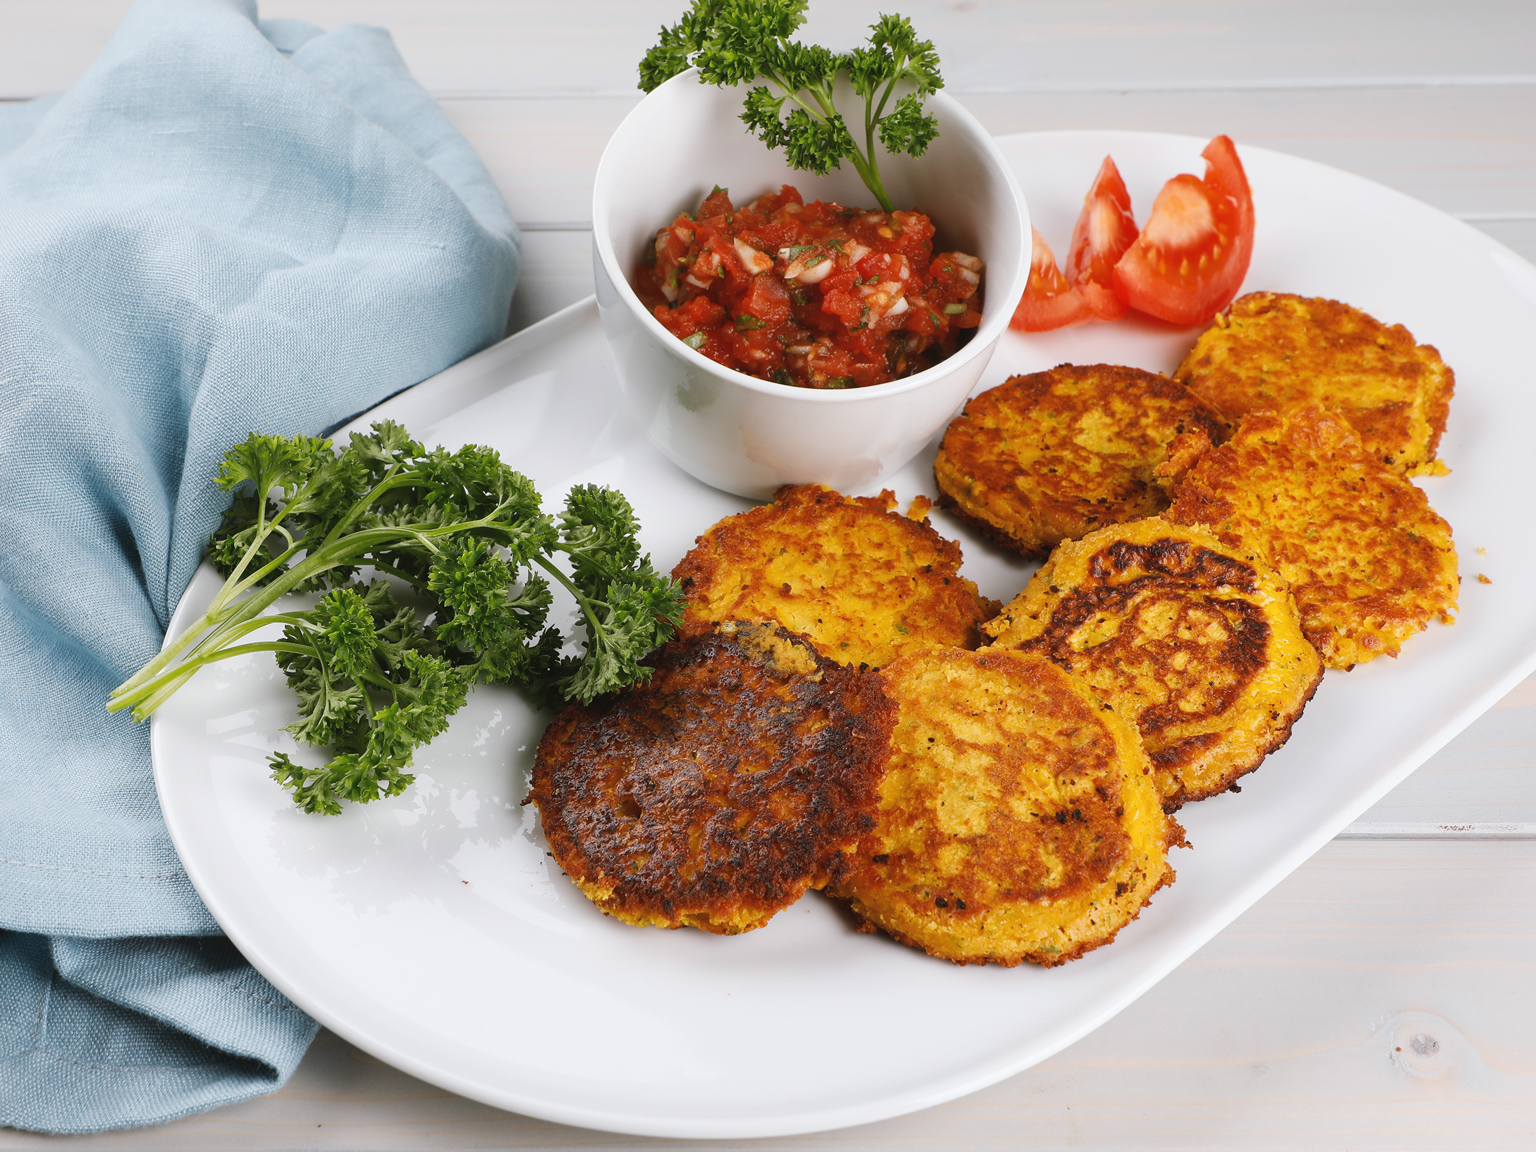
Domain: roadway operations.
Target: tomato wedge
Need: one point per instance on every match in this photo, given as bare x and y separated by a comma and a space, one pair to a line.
1190, 259
1104, 231
1049, 301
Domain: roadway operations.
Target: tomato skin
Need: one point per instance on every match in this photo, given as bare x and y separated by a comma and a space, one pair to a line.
1191, 257
1104, 231
1049, 300
1224, 171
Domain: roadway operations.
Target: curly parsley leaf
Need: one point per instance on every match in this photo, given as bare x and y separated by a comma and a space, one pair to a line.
678, 44
469, 556
734, 42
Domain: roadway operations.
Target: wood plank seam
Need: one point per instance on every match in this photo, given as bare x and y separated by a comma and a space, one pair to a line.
1493, 217
1309, 84
1323, 84
1427, 830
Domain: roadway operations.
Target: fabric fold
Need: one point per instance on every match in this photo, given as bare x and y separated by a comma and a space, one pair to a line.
226, 226
118, 1033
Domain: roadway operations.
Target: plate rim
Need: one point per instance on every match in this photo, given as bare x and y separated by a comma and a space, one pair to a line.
464, 383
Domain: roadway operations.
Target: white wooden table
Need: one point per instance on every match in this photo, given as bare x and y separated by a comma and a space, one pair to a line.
1296, 1026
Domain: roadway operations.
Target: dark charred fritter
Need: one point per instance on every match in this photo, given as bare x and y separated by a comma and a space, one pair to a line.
1369, 561
717, 794
1274, 351
1017, 819
1055, 455
1193, 639
863, 582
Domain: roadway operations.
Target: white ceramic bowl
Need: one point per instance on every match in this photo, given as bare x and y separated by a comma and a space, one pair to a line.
751, 436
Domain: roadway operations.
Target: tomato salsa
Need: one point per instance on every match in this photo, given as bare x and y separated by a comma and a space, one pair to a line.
815, 295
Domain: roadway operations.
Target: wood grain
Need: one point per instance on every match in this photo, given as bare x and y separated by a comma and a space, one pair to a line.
557, 271
529, 47
1282, 1032
1483, 780
1285, 1030
1467, 151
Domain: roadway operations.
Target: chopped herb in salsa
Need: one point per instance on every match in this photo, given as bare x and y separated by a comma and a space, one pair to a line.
816, 295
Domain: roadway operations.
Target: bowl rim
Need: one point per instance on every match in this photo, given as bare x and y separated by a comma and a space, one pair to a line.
987, 333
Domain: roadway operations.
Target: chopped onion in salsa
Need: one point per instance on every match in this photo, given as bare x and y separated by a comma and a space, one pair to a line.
814, 295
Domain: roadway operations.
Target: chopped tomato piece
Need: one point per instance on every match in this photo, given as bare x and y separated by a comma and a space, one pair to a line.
1190, 259
1104, 231
1049, 300
717, 203
1225, 172
817, 295
840, 297
768, 300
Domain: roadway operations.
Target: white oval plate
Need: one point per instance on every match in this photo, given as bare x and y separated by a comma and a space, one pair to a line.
433, 931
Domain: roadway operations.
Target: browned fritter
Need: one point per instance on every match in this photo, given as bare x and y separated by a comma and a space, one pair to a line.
1369, 561
1194, 640
863, 582
1276, 351
718, 793
1017, 818
1054, 455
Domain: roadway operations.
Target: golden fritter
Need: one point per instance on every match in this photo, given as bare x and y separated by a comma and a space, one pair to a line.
1276, 351
1369, 561
1194, 640
864, 583
1053, 456
1017, 818
717, 794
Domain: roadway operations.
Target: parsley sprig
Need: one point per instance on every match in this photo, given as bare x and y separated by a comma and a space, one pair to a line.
734, 42
378, 673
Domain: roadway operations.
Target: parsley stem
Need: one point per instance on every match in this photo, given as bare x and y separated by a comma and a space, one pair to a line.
739, 41
221, 624
126, 697
423, 510
863, 160
163, 688
398, 573
593, 625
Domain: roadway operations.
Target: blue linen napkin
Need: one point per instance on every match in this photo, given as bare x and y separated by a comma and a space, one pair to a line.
227, 225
